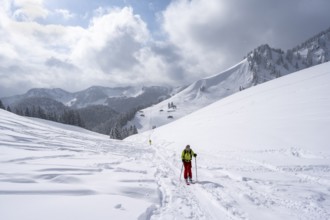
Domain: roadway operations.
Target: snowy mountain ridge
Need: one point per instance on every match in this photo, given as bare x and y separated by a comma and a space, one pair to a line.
95, 95
261, 65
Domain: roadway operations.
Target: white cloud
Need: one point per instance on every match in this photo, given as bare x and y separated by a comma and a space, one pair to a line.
29, 10
190, 26
66, 14
117, 47
27, 45
111, 42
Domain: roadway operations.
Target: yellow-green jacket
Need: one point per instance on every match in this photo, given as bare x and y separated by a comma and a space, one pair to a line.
187, 155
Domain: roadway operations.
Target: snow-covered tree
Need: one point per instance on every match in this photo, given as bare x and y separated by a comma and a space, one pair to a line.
132, 130
289, 56
309, 58
298, 56
27, 112
41, 113
124, 133
2, 105
19, 112
279, 60
285, 65
115, 132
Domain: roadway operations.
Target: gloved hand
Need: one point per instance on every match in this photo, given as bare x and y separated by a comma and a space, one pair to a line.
195, 155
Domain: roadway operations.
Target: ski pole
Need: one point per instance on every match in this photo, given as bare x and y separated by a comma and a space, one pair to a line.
196, 168
181, 171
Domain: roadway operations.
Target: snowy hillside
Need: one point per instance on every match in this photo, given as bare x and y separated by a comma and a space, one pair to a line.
261, 65
291, 111
263, 153
98, 95
196, 96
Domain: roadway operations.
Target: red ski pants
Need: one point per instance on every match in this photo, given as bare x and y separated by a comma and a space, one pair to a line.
187, 169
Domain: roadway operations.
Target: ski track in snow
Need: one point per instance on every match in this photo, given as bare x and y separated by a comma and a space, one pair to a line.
180, 201
231, 186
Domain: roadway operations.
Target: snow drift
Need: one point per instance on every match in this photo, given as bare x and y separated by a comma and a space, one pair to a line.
55, 171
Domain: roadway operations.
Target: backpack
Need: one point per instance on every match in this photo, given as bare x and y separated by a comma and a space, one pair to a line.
186, 152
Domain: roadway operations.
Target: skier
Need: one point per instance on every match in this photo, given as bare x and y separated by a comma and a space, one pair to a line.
186, 157
149, 141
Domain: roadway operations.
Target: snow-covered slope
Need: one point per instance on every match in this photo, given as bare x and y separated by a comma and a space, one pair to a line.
291, 111
55, 171
199, 94
263, 153
98, 95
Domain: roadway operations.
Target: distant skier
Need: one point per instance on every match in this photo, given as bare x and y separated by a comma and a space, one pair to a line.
149, 141
186, 157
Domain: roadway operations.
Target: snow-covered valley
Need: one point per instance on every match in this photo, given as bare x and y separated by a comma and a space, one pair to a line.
263, 153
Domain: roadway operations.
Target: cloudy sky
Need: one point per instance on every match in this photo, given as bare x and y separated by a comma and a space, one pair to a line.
80, 43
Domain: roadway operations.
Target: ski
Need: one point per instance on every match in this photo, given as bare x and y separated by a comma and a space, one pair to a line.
190, 182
